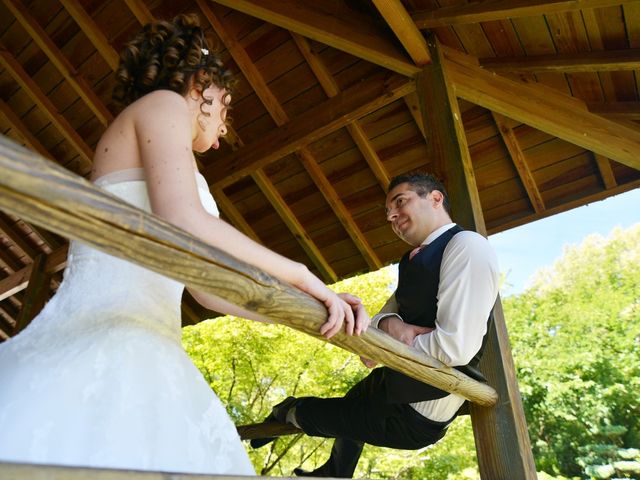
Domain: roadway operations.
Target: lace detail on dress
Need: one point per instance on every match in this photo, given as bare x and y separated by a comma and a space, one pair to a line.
100, 378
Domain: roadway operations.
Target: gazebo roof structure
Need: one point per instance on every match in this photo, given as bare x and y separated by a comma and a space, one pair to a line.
525, 108
327, 110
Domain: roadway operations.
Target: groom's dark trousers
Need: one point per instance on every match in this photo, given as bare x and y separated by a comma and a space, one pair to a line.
364, 415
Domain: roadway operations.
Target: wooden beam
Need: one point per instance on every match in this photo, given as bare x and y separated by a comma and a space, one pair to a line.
330, 87
397, 17
446, 141
57, 58
292, 223
48, 108
616, 110
606, 172
502, 441
140, 11
349, 31
17, 281
18, 242
8, 262
28, 138
337, 112
280, 117
565, 207
489, 10
36, 295
92, 31
49, 239
519, 160
546, 109
330, 195
600, 61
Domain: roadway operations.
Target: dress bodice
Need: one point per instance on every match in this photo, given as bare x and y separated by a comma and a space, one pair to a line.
97, 282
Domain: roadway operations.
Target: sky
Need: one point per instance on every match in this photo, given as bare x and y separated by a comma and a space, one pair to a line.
523, 250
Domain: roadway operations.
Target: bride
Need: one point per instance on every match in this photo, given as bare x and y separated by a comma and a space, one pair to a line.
100, 378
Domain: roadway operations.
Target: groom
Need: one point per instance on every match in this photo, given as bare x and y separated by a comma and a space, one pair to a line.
443, 304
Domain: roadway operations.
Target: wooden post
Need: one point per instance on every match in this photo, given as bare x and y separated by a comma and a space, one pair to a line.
36, 295
502, 440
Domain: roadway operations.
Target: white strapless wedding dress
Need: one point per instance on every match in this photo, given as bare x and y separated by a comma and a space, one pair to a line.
100, 378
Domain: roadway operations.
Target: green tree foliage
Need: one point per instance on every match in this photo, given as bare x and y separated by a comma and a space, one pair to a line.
253, 366
575, 336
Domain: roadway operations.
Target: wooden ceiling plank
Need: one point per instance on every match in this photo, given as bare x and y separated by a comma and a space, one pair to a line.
48, 238
351, 33
564, 207
330, 86
600, 61
92, 31
329, 193
17, 281
616, 110
48, 108
292, 223
8, 262
277, 112
489, 10
18, 242
140, 11
520, 162
337, 112
397, 17
28, 138
606, 172
55, 56
245, 64
548, 110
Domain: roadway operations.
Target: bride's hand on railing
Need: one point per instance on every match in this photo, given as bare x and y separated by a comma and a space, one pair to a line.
362, 319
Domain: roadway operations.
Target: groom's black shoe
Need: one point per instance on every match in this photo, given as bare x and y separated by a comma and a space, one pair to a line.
278, 414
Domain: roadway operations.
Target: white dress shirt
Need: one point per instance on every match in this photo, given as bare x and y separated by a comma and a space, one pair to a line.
467, 291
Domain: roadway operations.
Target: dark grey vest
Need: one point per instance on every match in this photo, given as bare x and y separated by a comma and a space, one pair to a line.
416, 296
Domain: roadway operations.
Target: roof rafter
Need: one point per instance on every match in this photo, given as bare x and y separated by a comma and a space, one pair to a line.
28, 138
606, 172
601, 61
520, 162
489, 10
48, 108
92, 31
616, 110
18, 242
354, 128
273, 106
353, 33
545, 109
325, 118
68, 71
404, 27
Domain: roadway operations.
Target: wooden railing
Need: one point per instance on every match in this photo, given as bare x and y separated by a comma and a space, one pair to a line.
48, 195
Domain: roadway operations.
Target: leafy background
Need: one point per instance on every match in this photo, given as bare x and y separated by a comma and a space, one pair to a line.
575, 335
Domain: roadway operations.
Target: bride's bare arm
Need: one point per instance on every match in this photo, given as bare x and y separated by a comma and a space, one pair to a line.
217, 304
163, 130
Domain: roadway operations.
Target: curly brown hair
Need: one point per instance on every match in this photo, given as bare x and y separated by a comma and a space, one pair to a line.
166, 56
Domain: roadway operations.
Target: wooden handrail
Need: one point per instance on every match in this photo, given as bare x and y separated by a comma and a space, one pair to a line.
48, 195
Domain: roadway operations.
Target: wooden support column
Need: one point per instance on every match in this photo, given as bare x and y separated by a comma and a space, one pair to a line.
502, 440
36, 295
